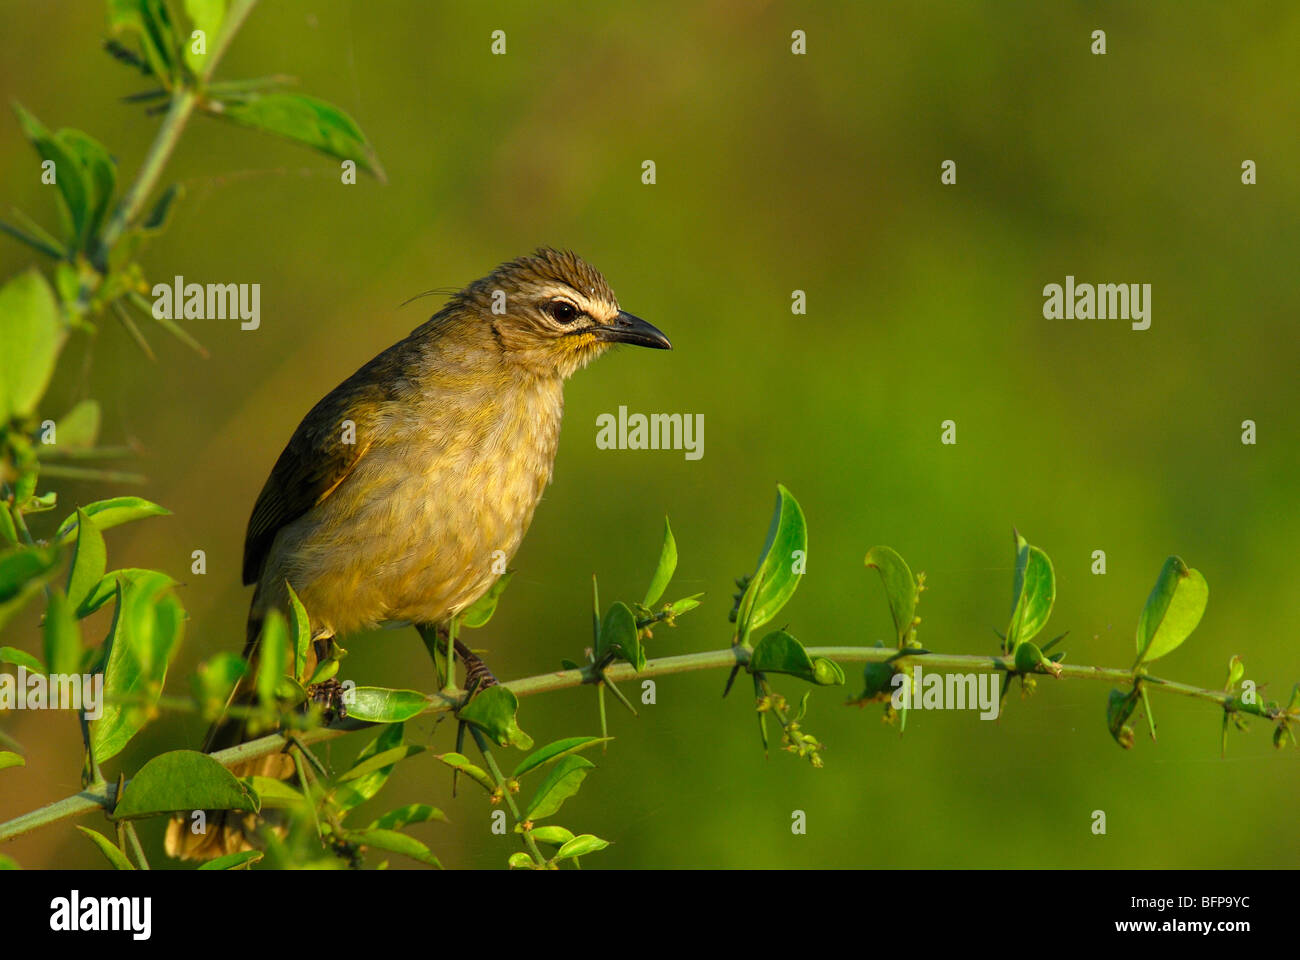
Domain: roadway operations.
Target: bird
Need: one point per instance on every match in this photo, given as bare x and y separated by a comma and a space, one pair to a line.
403, 489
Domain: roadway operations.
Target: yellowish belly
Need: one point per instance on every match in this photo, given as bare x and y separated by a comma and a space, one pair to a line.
415, 533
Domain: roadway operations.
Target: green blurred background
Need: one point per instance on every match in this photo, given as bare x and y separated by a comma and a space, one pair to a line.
775, 172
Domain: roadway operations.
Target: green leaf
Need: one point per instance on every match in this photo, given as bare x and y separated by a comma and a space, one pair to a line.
522, 861
89, 558
156, 222
551, 836
324, 671
146, 631
1173, 609
618, 635
147, 22
1119, 707
183, 780
1236, 670
24, 571
778, 652
214, 680
827, 673
300, 631
580, 846
106, 589
554, 751
290, 692
111, 513
395, 842
8, 529
1028, 658
385, 760
206, 15
10, 759
775, 580
20, 658
564, 780
78, 428
41, 504
877, 680
99, 174
684, 605
233, 861
110, 850
666, 568
8, 863
1033, 592
272, 657
67, 282
70, 177
478, 613
362, 788
458, 761
31, 336
273, 794
306, 120
62, 638
493, 711
381, 705
402, 816
900, 587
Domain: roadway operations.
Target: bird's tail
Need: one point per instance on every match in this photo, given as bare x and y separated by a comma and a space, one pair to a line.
217, 833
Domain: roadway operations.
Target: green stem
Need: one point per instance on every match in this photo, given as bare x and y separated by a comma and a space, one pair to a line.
21, 523
132, 203
86, 801
183, 102
311, 757
450, 685
92, 763
237, 12
509, 797
136, 848
91, 473
301, 769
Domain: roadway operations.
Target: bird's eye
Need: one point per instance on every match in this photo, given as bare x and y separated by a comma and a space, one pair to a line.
562, 311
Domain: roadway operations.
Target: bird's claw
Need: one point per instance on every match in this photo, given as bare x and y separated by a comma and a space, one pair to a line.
329, 695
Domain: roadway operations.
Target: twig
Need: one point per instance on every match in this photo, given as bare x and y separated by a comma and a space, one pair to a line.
86, 801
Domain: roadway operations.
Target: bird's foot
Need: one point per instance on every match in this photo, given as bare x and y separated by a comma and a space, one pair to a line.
477, 679
477, 675
329, 694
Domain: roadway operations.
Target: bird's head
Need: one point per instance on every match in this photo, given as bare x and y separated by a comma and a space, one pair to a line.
552, 313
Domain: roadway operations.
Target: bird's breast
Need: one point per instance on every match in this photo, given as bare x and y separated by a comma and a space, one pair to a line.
433, 511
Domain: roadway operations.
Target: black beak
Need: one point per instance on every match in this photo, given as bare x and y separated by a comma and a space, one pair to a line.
629, 329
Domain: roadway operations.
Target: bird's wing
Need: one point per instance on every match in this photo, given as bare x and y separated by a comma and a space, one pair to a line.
314, 463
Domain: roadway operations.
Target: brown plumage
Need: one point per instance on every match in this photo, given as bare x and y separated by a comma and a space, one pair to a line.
402, 490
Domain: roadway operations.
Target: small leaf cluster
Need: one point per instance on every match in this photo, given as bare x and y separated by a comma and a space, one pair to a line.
312, 824
143, 636
781, 565
566, 772
619, 635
